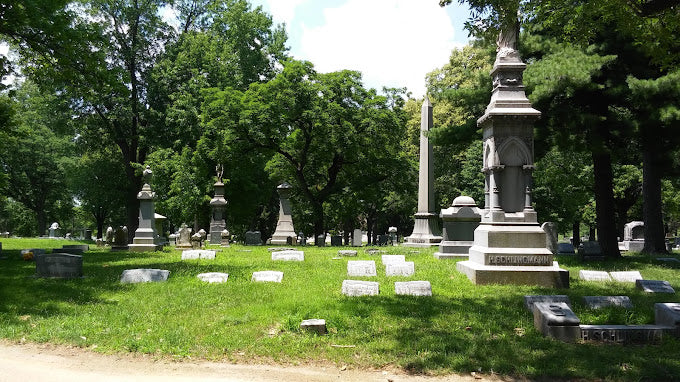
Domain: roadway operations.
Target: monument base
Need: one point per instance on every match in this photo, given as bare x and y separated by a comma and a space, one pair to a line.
456, 250
282, 238
545, 276
425, 231
144, 244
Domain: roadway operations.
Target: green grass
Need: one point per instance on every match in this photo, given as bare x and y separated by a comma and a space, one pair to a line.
462, 328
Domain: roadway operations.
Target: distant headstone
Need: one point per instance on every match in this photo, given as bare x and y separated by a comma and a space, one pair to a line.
277, 249
626, 277
565, 249
590, 250
654, 286
347, 252
268, 276
393, 259
557, 320
88, 234
413, 288
203, 233
120, 239
356, 238
54, 230
668, 259
288, 255
225, 238
336, 241
356, 288
172, 238
320, 241
196, 240
144, 275
405, 268
72, 251
317, 326
184, 239
460, 221
594, 275
59, 265
383, 239
667, 314
550, 230
192, 254
529, 301
598, 302
361, 268
109, 235
253, 238
213, 277
82, 247
634, 236
285, 231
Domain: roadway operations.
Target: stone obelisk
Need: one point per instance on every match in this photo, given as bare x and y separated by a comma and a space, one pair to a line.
217, 206
145, 235
426, 230
509, 246
285, 232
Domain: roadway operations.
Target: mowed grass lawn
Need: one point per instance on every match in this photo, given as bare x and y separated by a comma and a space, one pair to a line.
461, 328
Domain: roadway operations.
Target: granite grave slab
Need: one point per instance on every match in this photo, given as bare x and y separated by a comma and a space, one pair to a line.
268, 276
529, 301
626, 277
405, 268
599, 302
193, 254
594, 275
59, 265
288, 256
144, 275
347, 252
315, 325
393, 259
413, 288
654, 286
213, 277
556, 320
356, 288
361, 268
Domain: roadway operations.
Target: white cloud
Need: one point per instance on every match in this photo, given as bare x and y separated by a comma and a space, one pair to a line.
392, 42
283, 11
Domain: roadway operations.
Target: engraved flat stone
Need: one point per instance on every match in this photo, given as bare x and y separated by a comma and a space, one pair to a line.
288, 255
624, 334
276, 249
268, 276
413, 288
347, 252
192, 254
213, 277
594, 276
529, 301
355, 288
393, 259
361, 268
315, 325
626, 277
654, 286
144, 275
59, 265
405, 268
598, 302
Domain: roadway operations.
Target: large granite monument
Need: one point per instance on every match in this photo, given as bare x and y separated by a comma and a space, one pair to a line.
509, 246
285, 232
218, 205
145, 235
634, 236
426, 230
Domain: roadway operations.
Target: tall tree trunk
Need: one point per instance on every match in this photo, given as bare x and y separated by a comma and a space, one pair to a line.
604, 204
651, 201
317, 210
41, 221
576, 234
131, 201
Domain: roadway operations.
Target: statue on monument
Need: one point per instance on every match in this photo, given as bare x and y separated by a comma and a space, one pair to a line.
506, 43
220, 170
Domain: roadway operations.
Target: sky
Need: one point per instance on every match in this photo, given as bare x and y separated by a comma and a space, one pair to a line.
393, 43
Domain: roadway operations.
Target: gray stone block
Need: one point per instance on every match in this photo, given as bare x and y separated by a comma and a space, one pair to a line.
654, 286
529, 301
144, 275
556, 320
192, 254
565, 249
347, 252
624, 334
626, 277
316, 325
598, 302
406, 268
59, 265
361, 268
393, 259
288, 256
594, 275
213, 277
667, 314
413, 288
354, 288
268, 276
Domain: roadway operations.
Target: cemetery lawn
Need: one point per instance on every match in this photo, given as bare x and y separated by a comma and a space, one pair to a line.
461, 328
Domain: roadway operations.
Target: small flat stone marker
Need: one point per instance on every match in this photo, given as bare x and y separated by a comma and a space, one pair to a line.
347, 252
406, 268
59, 265
413, 288
594, 276
288, 255
373, 251
268, 276
626, 277
192, 254
598, 302
557, 320
667, 314
354, 288
668, 259
276, 249
393, 259
144, 275
529, 301
654, 286
315, 325
213, 277
361, 268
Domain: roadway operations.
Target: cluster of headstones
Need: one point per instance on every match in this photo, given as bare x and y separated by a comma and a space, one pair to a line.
395, 265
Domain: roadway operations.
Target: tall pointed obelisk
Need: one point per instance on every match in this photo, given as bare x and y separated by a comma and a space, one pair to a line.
509, 246
426, 231
218, 205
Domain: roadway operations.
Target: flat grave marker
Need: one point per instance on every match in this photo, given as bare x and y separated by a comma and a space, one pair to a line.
144, 275
347, 252
393, 259
354, 288
594, 276
361, 268
599, 302
288, 255
213, 277
59, 265
405, 268
529, 301
626, 277
413, 288
192, 254
654, 286
267, 276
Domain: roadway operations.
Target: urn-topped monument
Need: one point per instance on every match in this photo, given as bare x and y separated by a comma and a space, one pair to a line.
218, 205
509, 246
145, 235
285, 232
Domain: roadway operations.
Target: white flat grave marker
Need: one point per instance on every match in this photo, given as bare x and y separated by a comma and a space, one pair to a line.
144, 275
214, 277
193, 254
654, 286
268, 276
406, 268
594, 276
626, 277
393, 259
413, 288
347, 252
288, 255
598, 302
315, 325
355, 288
361, 268
278, 249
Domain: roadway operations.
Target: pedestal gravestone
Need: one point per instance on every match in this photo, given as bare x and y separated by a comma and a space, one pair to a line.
184, 237
460, 222
224, 235
634, 236
145, 235
509, 246
284, 227
426, 230
218, 205
108, 236
120, 239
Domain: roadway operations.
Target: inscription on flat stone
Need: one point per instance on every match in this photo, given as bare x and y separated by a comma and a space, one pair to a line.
193, 254
347, 252
144, 275
541, 260
361, 268
654, 286
529, 301
268, 276
626, 277
624, 334
594, 276
59, 265
598, 302
386, 259
413, 288
355, 288
288, 255
405, 268
213, 277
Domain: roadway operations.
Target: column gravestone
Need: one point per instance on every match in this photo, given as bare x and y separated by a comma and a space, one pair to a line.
218, 205
284, 227
145, 235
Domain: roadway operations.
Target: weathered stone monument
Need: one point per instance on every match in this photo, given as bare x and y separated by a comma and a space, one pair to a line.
253, 238
120, 239
59, 265
54, 230
460, 222
161, 239
509, 246
109, 235
218, 206
145, 235
426, 230
550, 229
184, 238
224, 237
356, 238
285, 232
634, 236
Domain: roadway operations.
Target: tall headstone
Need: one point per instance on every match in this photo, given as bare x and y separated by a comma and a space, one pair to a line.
284, 227
145, 235
426, 230
356, 238
550, 229
120, 239
54, 230
184, 237
218, 206
161, 239
509, 246
460, 222
634, 236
